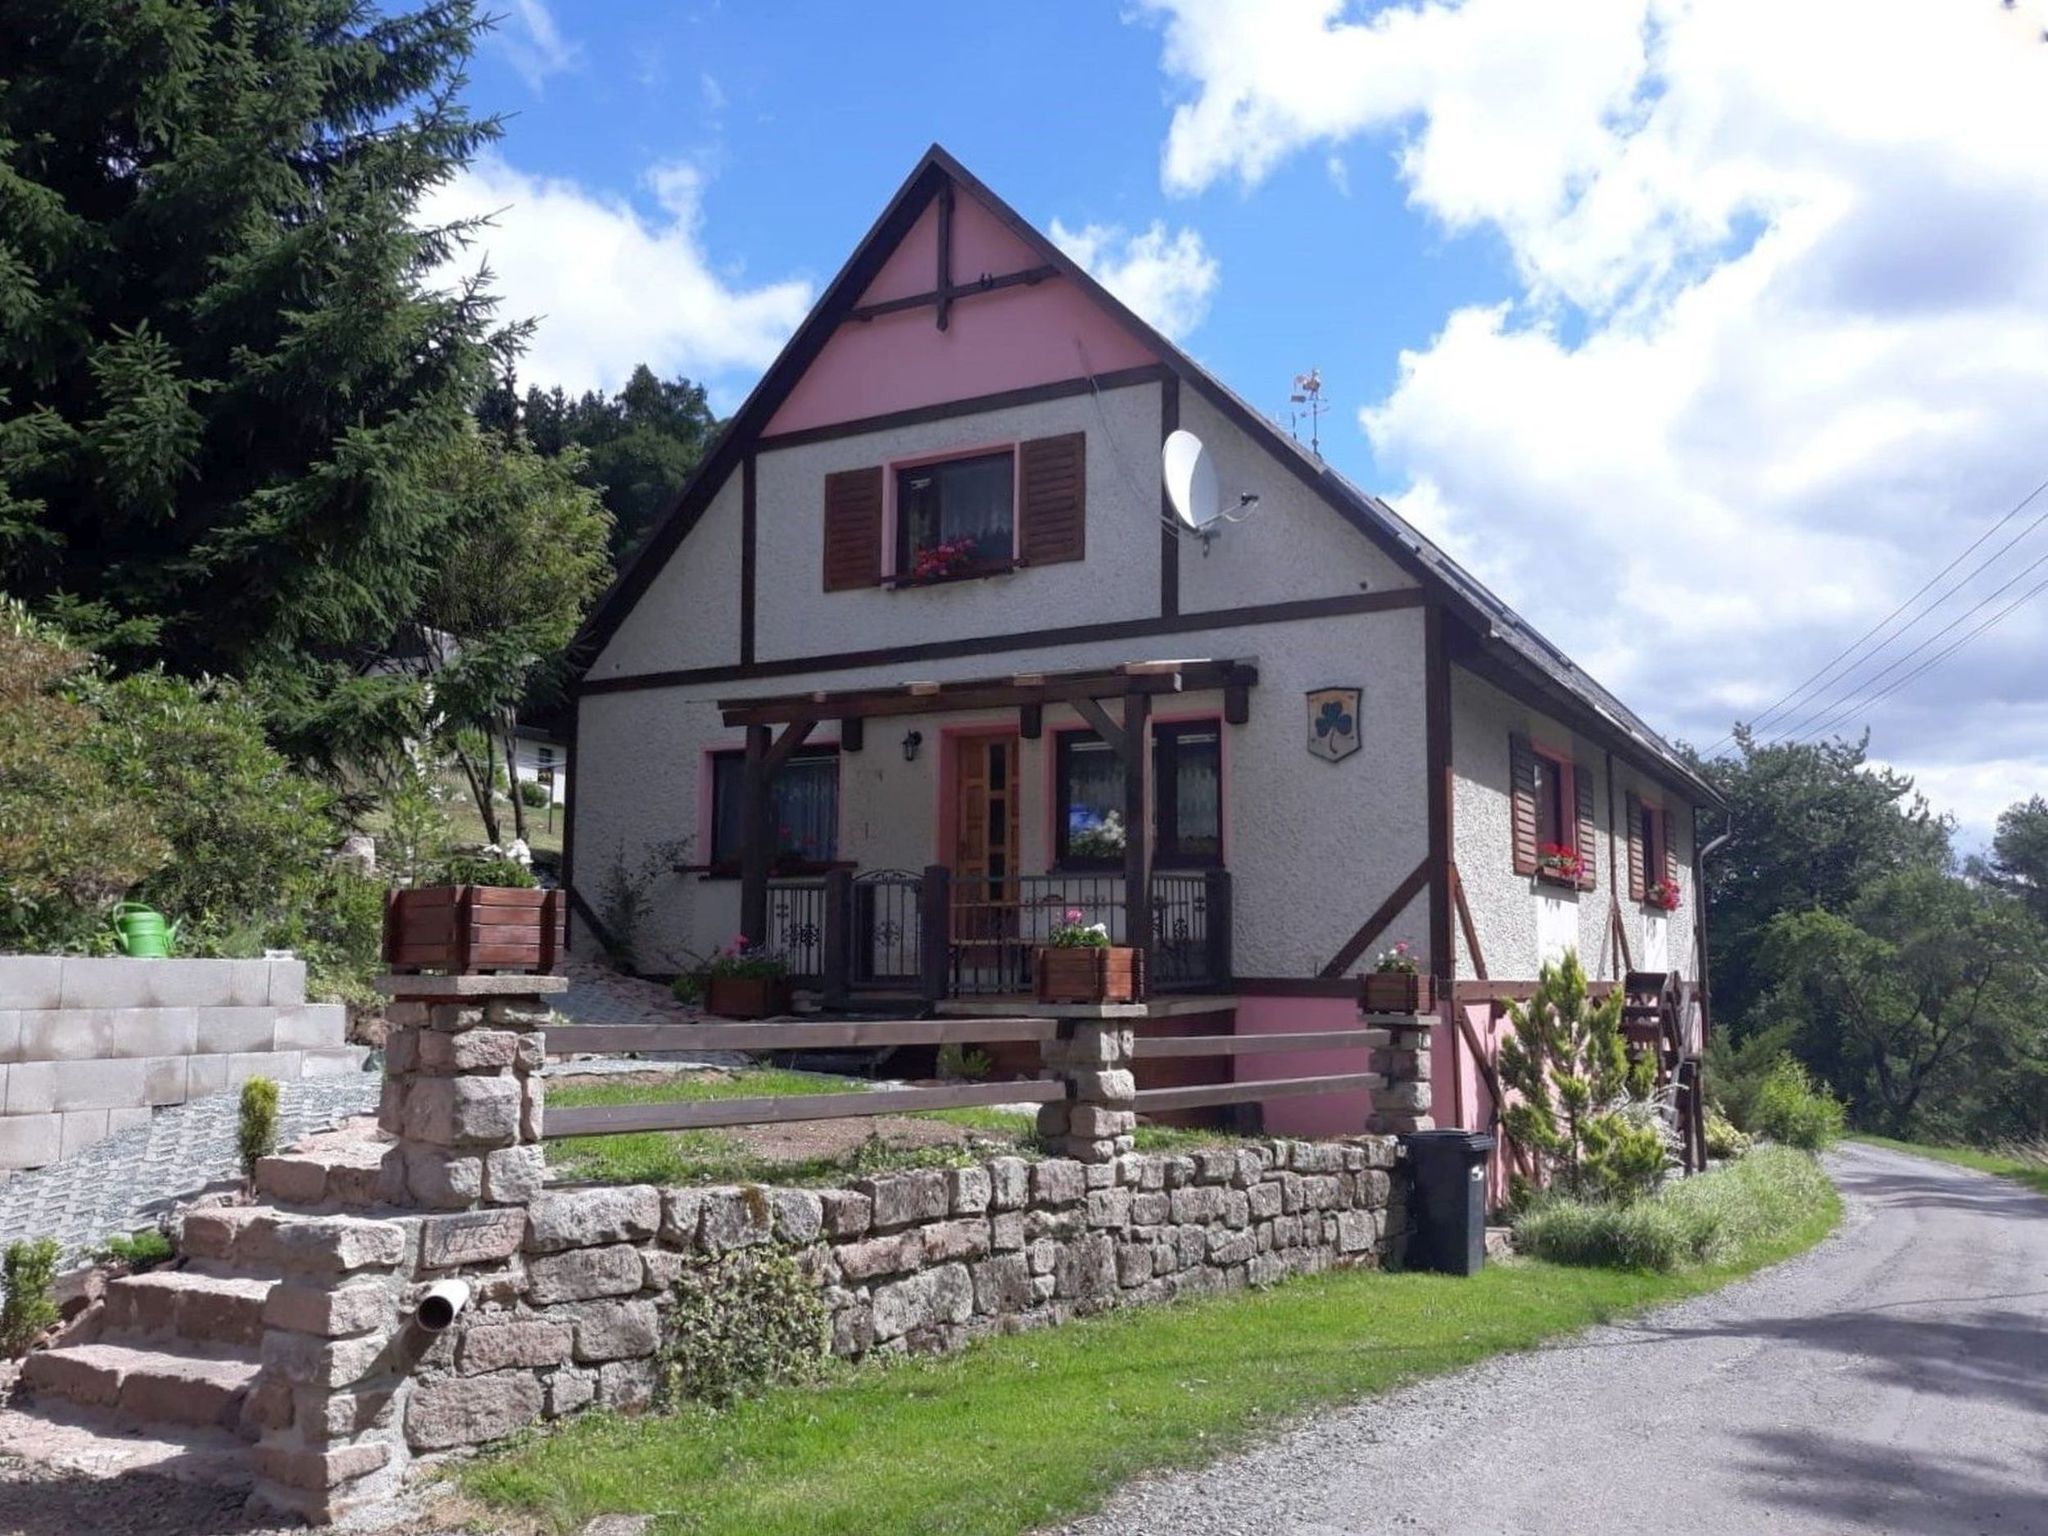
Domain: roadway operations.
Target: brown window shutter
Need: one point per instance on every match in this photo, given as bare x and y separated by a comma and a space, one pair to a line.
853, 529
1636, 882
1052, 486
1582, 780
1670, 853
1522, 788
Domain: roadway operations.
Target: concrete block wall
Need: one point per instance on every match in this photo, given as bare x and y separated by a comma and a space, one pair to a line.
89, 1046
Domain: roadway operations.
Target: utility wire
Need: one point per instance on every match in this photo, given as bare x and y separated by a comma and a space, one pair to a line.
1849, 699
2025, 597
1847, 650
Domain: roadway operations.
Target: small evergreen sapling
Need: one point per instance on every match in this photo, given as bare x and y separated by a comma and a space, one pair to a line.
1567, 1061
256, 1134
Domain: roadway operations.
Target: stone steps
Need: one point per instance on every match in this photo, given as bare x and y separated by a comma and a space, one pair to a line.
165, 1383
189, 1305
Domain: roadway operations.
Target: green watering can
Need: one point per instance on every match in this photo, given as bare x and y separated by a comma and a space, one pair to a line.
141, 933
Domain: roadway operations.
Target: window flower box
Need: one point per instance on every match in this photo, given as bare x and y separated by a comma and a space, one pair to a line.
1559, 864
1663, 895
468, 930
1397, 983
1096, 974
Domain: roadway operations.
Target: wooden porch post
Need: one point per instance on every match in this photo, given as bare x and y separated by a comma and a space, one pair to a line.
1137, 842
756, 850
935, 932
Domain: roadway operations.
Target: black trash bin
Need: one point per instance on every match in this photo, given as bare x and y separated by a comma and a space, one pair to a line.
1447, 1200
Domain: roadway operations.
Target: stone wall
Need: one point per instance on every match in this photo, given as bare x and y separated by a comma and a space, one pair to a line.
568, 1290
89, 1046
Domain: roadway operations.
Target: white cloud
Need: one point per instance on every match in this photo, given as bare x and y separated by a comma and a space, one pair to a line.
611, 286
1167, 279
534, 44
1777, 344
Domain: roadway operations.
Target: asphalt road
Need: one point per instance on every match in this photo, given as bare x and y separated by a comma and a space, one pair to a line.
1894, 1379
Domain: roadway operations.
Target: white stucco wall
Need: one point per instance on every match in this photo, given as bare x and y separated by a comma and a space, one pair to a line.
1293, 544
1313, 846
690, 614
1508, 910
1119, 579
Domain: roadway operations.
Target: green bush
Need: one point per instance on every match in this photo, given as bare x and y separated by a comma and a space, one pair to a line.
1791, 1109
688, 988
256, 1128
29, 1308
338, 930
532, 795
143, 1250
741, 1322
1690, 1221
1723, 1140
1736, 1070
485, 869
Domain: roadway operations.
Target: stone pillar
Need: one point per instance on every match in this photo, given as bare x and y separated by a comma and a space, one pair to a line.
1400, 1046
1095, 1122
462, 1086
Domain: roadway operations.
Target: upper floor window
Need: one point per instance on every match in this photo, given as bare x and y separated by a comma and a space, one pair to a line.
956, 517
1553, 821
803, 808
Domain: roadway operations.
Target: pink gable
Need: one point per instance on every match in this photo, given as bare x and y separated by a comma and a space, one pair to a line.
1009, 339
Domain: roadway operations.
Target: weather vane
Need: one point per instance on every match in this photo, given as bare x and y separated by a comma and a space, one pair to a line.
1307, 400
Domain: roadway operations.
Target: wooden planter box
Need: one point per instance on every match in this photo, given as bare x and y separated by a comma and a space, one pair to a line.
1397, 992
471, 929
747, 997
1112, 975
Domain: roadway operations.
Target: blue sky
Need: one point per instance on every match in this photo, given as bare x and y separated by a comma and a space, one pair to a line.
1702, 330
804, 118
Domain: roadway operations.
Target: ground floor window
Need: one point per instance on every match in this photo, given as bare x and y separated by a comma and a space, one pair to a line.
1187, 788
803, 812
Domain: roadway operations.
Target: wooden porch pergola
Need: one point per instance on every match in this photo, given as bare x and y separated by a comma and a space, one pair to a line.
776, 726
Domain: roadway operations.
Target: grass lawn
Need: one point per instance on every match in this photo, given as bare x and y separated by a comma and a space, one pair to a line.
718, 1157
2033, 1174
1017, 1432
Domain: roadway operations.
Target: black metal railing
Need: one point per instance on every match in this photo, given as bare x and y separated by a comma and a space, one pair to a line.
796, 926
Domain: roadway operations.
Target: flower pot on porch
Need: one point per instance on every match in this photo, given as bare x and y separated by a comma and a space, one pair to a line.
747, 997
1398, 992
470, 929
1089, 975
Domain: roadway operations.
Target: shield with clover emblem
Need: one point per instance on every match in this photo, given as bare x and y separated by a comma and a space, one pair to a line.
1333, 723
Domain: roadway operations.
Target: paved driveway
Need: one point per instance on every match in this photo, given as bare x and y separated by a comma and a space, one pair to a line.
1895, 1379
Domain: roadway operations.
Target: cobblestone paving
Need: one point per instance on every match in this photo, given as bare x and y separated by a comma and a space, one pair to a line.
125, 1182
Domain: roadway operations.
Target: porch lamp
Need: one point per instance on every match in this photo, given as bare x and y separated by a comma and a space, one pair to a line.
912, 740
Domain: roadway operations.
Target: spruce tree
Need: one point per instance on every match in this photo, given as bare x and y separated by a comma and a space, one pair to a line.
227, 375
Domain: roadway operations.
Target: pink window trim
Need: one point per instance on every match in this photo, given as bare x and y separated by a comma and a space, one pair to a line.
1567, 772
891, 467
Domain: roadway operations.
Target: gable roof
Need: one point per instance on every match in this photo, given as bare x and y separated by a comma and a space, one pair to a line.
1506, 646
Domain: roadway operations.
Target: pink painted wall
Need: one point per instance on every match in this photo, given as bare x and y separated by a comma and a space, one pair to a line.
1005, 340
1458, 1096
1313, 1115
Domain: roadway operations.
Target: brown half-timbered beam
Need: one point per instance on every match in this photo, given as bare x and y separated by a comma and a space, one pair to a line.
993, 693
1465, 922
853, 734
952, 293
1385, 913
1107, 729
1030, 721
1237, 704
1436, 713
944, 284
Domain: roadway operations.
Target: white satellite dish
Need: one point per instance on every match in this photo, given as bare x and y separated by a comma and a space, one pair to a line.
1191, 485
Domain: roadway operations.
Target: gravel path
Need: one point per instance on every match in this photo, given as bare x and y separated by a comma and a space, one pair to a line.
127, 1180
1895, 1379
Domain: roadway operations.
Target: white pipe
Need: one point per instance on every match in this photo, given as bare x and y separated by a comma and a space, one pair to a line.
443, 1302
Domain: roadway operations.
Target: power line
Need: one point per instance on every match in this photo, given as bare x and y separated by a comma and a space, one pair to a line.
1842, 654
1849, 699
2025, 597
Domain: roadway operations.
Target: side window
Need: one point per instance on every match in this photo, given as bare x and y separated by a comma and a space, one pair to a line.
1187, 781
1089, 805
803, 809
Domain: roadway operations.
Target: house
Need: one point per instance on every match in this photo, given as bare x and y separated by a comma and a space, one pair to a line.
538, 757
922, 659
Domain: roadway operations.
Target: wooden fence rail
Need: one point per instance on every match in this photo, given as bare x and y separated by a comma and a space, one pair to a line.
1153, 1100
1154, 1047
610, 1039
706, 1114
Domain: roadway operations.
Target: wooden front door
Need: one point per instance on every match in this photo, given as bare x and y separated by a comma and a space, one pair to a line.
984, 854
